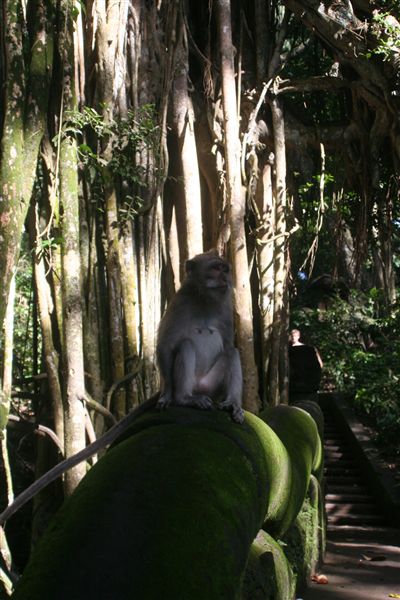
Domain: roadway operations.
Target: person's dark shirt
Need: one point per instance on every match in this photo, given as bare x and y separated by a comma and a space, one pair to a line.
304, 369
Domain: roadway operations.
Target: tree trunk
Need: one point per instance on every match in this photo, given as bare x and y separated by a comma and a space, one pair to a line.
74, 410
74, 415
183, 122
236, 207
115, 301
150, 296
46, 307
265, 227
5, 388
130, 298
279, 250
13, 206
24, 123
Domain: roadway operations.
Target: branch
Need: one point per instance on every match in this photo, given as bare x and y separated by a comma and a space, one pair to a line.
36, 428
313, 84
98, 407
252, 126
344, 39
118, 384
74, 460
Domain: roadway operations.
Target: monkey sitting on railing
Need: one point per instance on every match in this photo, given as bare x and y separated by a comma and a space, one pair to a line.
196, 355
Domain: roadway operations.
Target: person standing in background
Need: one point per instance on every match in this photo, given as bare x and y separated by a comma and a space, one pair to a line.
305, 369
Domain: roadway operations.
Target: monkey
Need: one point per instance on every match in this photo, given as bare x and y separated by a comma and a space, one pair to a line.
198, 362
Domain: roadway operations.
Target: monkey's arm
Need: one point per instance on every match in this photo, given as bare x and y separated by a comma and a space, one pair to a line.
165, 364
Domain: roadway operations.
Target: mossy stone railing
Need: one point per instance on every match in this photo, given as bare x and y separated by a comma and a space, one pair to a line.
173, 508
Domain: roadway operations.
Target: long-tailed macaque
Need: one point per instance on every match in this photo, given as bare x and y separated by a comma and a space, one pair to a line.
197, 359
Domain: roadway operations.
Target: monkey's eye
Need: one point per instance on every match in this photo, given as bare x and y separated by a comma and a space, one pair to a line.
220, 267
223, 268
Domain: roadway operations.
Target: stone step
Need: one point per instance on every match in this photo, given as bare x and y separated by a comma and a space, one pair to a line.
333, 431
348, 480
337, 454
336, 445
349, 504
350, 508
369, 532
348, 498
337, 448
350, 519
342, 463
348, 490
332, 466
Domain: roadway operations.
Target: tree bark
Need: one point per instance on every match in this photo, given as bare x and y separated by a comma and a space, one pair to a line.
150, 297
5, 388
115, 300
279, 250
46, 307
236, 207
74, 392
13, 205
265, 227
183, 121
24, 123
130, 299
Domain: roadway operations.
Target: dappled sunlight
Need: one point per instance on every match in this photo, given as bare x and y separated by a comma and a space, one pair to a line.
359, 570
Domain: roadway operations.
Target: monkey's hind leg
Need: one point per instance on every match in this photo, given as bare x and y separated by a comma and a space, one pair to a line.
233, 386
179, 375
185, 379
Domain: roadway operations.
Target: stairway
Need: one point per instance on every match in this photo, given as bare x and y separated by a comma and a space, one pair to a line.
363, 554
349, 503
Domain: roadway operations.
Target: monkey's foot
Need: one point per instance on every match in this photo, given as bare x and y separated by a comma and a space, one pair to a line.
164, 401
198, 401
238, 414
235, 408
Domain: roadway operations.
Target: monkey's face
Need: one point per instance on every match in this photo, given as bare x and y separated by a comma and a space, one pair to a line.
209, 272
218, 275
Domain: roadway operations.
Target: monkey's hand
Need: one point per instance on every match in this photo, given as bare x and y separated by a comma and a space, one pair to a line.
198, 401
235, 407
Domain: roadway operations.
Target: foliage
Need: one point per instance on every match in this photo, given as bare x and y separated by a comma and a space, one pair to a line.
315, 218
117, 149
25, 355
386, 30
361, 354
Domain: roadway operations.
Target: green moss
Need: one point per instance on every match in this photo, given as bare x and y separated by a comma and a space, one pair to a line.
269, 575
279, 471
170, 512
314, 410
298, 432
3, 415
304, 543
256, 439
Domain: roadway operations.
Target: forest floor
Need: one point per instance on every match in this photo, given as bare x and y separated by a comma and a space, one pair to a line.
360, 567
